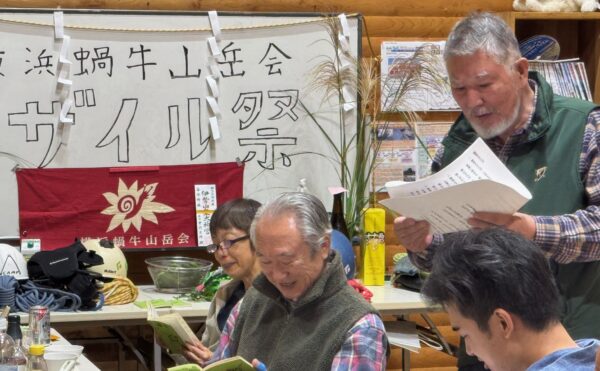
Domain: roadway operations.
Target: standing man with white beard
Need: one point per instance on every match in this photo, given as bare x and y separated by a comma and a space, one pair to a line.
549, 142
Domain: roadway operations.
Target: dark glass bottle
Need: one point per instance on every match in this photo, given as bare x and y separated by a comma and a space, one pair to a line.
337, 215
14, 327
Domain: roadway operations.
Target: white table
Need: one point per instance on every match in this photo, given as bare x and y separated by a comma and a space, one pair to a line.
125, 314
83, 364
387, 299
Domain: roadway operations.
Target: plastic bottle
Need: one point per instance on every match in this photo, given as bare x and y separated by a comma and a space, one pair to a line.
18, 359
14, 331
7, 344
338, 221
14, 327
36, 360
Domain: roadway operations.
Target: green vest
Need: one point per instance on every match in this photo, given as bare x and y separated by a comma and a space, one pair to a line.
304, 335
548, 165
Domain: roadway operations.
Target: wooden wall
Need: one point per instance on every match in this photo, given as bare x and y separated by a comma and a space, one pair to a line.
381, 7
384, 20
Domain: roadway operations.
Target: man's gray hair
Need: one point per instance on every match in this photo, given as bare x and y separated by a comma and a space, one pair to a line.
308, 212
486, 32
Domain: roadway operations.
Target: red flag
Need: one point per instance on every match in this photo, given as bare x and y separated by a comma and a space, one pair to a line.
137, 207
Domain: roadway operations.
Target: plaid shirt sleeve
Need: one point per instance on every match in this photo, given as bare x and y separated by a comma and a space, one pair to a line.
424, 259
223, 349
365, 348
576, 237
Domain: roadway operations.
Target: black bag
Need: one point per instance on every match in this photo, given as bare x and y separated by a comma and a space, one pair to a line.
64, 269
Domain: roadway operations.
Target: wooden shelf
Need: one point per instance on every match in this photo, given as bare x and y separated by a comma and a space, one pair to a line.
558, 15
577, 33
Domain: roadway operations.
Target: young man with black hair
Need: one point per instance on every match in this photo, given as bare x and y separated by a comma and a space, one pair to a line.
502, 299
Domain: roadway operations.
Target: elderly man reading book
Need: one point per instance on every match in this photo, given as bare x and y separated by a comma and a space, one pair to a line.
300, 313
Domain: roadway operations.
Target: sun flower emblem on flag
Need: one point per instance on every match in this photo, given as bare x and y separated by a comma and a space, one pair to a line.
131, 205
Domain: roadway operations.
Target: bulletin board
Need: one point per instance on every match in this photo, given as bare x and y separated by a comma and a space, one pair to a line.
105, 88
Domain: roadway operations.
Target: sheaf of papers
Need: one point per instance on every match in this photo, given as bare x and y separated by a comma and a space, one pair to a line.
476, 181
403, 334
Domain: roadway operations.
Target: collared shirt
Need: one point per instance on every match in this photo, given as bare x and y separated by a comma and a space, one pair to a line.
580, 358
564, 238
364, 348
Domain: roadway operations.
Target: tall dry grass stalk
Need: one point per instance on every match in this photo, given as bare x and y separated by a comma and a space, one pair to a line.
357, 149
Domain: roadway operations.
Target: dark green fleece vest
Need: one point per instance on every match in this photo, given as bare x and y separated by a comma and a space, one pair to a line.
547, 164
304, 335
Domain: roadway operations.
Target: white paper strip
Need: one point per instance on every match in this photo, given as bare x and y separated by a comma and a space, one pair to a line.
215, 72
65, 132
214, 106
64, 50
64, 111
349, 97
212, 84
64, 81
214, 24
206, 202
214, 127
214, 47
344, 44
344, 23
59, 25
206, 197
345, 61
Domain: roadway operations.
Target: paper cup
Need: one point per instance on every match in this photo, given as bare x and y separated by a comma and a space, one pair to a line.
55, 360
64, 348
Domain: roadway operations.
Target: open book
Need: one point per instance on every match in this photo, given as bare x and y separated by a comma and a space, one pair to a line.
403, 334
476, 181
236, 363
171, 329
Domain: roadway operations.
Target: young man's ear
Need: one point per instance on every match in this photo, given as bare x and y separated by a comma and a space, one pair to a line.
502, 322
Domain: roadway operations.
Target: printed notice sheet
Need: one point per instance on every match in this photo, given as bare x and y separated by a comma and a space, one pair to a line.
476, 181
420, 97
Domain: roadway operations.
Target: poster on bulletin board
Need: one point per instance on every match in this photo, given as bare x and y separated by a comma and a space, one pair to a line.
102, 89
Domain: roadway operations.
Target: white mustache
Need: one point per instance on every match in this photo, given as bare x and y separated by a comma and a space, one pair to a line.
479, 111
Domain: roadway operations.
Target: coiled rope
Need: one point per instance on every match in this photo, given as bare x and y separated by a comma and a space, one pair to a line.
56, 300
119, 291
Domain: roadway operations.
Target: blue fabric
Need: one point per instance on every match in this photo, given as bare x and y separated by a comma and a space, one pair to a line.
406, 267
572, 359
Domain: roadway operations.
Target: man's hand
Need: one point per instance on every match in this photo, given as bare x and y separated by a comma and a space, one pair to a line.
520, 223
413, 234
196, 352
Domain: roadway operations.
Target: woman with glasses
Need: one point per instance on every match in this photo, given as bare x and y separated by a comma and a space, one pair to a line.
229, 228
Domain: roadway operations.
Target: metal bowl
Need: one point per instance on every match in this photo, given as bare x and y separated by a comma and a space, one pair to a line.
177, 274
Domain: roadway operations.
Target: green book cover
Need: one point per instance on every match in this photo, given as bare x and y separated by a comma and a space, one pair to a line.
171, 330
236, 363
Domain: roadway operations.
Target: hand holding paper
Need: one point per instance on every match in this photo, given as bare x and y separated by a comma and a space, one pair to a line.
520, 223
477, 181
414, 235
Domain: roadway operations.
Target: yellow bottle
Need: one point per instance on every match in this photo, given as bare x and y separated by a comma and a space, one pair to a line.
372, 270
